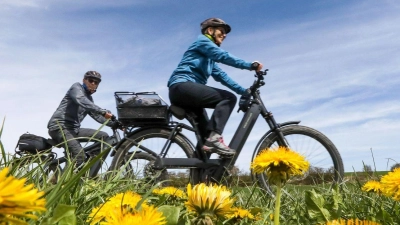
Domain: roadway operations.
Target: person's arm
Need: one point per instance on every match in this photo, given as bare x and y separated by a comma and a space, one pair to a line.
220, 76
215, 53
102, 119
79, 97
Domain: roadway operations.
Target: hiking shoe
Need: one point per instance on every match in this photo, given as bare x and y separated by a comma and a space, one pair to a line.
217, 145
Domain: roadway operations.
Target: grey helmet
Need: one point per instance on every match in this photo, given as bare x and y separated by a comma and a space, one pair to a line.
214, 22
92, 74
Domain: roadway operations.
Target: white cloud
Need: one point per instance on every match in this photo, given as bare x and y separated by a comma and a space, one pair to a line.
20, 3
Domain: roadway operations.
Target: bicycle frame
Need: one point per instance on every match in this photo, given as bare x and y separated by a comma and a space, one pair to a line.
94, 169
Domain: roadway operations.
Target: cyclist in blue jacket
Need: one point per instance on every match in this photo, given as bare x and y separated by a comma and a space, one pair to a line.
188, 89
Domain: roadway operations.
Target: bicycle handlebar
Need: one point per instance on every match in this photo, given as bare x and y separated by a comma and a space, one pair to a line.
262, 73
118, 124
259, 82
245, 100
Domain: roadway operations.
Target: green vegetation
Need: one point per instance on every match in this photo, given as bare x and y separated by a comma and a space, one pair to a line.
73, 197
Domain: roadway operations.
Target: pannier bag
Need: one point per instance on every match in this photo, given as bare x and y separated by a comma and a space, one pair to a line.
32, 143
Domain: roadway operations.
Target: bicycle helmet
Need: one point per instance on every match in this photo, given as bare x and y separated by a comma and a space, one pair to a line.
92, 74
214, 22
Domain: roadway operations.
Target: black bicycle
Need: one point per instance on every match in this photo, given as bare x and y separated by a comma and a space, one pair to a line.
47, 167
169, 149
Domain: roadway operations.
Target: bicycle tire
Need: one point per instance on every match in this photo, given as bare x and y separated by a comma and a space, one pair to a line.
153, 139
326, 164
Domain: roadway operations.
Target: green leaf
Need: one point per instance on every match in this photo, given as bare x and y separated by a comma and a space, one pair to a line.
63, 215
171, 213
315, 206
334, 207
383, 215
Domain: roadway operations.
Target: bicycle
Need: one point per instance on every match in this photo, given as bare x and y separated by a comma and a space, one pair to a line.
53, 166
325, 160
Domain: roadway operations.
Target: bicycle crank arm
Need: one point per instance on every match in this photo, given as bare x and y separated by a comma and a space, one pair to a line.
176, 163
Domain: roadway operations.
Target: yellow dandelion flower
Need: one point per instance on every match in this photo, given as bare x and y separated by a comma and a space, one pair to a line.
172, 191
116, 204
372, 186
210, 199
18, 199
281, 163
352, 222
239, 213
147, 216
391, 184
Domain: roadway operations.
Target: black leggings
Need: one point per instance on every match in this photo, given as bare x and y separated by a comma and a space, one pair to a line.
196, 97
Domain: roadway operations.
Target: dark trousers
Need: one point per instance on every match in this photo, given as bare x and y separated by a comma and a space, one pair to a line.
74, 145
196, 97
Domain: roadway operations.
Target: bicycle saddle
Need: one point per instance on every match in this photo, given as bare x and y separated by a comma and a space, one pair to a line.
178, 112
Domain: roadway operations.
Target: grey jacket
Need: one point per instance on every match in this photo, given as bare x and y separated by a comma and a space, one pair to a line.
74, 107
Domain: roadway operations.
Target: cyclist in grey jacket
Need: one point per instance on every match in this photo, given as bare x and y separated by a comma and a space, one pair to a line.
187, 84
73, 108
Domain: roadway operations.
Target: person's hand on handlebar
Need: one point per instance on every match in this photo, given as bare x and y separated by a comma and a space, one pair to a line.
257, 66
108, 115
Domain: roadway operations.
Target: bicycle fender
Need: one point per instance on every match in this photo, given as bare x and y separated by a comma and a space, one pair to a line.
288, 123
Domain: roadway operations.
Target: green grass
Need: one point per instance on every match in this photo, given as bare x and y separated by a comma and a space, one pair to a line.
305, 204
73, 197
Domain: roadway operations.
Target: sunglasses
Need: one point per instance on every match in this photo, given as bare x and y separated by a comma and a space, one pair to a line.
93, 81
221, 29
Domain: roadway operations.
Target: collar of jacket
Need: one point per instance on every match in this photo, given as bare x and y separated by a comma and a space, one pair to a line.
209, 37
86, 89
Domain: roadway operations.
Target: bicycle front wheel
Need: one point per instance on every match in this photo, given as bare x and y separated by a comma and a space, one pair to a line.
326, 164
132, 151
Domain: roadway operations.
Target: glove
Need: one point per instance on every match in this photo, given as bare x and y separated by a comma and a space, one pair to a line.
247, 93
244, 102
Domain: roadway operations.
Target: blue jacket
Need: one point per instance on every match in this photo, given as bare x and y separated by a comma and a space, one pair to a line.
200, 62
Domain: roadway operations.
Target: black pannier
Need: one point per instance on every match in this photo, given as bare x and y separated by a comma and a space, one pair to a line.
32, 143
141, 109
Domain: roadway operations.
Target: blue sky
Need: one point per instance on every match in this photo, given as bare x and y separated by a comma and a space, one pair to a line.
334, 65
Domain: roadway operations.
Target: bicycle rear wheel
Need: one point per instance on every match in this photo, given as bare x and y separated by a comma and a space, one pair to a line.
142, 160
326, 164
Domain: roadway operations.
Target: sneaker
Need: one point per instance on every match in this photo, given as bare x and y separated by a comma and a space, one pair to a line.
218, 146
